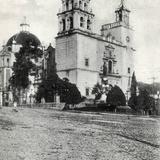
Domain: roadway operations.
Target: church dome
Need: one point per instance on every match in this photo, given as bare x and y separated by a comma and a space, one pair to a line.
24, 37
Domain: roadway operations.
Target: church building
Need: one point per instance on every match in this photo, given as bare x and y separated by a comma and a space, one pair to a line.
87, 58
7, 59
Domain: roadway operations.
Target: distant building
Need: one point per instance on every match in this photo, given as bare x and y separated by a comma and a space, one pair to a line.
86, 58
7, 59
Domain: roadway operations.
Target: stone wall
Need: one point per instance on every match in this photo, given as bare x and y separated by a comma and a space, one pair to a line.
56, 106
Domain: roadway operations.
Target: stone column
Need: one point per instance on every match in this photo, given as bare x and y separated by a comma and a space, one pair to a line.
1, 98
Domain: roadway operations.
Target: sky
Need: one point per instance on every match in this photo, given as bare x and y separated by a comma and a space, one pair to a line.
42, 17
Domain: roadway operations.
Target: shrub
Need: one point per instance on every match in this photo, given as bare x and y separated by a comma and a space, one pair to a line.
142, 102
69, 93
133, 102
116, 97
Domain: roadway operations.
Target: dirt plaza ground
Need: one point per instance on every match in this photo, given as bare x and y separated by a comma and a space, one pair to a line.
41, 134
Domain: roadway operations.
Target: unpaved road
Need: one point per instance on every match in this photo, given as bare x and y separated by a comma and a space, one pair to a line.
39, 134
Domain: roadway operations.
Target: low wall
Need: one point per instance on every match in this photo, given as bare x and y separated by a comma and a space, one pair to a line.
56, 106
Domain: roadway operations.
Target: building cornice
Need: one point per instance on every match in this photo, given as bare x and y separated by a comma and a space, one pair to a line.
75, 10
115, 25
111, 75
82, 69
87, 34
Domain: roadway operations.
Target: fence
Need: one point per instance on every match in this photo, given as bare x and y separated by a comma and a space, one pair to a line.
56, 106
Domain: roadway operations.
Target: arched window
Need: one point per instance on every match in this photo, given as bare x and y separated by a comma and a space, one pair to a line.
85, 6
110, 67
72, 4
67, 6
64, 24
109, 36
8, 62
71, 22
88, 24
120, 16
81, 22
80, 4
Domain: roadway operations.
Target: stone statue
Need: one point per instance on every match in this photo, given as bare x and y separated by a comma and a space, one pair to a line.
104, 69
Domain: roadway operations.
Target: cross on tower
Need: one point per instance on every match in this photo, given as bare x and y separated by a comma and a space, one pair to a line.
24, 24
122, 2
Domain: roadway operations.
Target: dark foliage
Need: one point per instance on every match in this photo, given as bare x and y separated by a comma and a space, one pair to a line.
133, 85
151, 88
69, 93
22, 67
52, 85
116, 97
48, 88
133, 102
142, 102
133, 99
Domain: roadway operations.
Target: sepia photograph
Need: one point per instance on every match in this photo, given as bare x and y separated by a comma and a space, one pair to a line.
80, 80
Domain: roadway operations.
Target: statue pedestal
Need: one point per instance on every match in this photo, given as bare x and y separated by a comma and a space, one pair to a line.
103, 97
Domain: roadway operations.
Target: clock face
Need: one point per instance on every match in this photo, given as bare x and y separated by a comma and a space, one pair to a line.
128, 39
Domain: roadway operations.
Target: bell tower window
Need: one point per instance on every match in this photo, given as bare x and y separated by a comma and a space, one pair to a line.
64, 24
129, 70
75, 14
80, 4
71, 22
87, 62
85, 6
67, 6
81, 22
88, 24
120, 16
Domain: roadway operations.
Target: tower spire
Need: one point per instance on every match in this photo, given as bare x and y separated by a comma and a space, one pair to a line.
122, 2
122, 13
24, 25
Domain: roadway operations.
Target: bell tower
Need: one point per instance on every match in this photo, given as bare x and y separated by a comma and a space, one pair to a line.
75, 15
120, 30
122, 14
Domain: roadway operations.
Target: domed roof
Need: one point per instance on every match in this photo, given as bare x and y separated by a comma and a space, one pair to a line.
24, 37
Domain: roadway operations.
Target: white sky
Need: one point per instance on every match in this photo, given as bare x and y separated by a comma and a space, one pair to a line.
41, 14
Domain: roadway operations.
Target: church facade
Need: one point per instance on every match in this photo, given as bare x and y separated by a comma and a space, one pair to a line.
87, 58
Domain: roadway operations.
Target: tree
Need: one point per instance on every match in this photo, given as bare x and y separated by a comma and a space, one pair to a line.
133, 99
133, 102
116, 97
151, 88
22, 68
97, 91
133, 85
48, 87
68, 92
145, 102
52, 85
142, 102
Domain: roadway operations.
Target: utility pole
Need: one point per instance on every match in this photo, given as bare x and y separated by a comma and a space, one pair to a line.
153, 82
